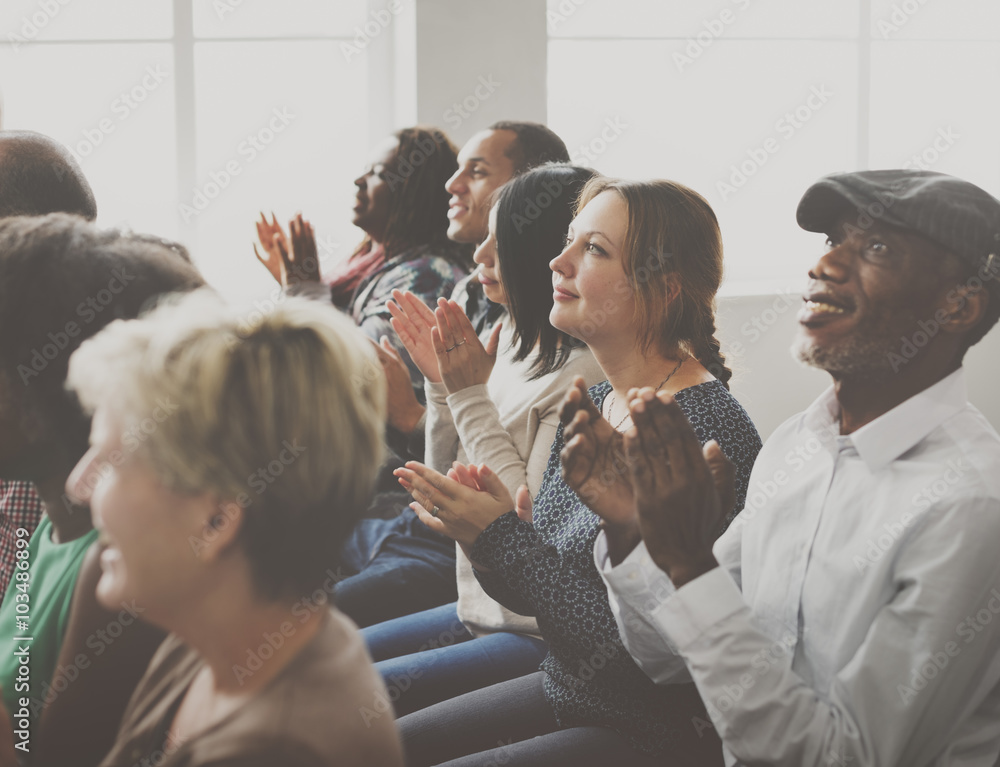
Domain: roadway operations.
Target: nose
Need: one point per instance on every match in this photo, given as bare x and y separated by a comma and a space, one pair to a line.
834, 265
455, 184
78, 488
360, 180
483, 254
563, 263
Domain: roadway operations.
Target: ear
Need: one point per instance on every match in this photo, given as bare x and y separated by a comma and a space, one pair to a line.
221, 524
963, 308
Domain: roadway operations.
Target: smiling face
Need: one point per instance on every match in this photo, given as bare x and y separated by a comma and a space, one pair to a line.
866, 294
489, 269
147, 529
593, 299
373, 196
483, 167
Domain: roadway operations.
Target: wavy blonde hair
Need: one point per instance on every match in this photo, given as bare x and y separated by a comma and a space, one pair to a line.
282, 411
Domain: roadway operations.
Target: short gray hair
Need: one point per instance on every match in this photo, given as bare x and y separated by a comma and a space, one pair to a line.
282, 411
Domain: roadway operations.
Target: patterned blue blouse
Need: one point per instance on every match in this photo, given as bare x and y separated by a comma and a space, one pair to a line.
546, 569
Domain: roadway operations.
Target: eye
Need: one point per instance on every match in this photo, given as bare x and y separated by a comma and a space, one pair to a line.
593, 247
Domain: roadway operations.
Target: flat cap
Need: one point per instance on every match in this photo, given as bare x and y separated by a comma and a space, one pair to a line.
955, 214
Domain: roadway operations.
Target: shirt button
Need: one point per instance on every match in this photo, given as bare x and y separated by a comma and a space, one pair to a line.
633, 576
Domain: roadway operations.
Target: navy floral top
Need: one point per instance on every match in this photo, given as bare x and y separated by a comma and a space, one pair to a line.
546, 569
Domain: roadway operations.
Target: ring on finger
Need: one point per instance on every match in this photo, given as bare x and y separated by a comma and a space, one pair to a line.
435, 511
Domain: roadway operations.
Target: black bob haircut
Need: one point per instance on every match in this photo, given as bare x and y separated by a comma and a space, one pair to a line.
534, 211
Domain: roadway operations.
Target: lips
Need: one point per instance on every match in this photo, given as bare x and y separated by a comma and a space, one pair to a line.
484, 280
560, 293
456, 209
823, 307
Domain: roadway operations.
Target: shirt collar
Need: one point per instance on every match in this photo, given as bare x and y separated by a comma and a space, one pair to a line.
882, 441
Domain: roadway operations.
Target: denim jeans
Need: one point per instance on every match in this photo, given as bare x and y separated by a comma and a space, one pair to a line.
430, 656
397, 566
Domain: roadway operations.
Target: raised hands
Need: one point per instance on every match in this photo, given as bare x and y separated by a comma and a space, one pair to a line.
270, 235
293, 263
459, 506
595, 465
682, 490
461, 356
413, 320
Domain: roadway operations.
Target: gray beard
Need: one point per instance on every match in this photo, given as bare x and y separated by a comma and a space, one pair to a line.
864, 356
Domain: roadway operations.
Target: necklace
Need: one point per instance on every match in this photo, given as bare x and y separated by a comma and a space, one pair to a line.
611, 405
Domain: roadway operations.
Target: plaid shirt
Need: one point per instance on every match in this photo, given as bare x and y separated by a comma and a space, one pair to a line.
20, 506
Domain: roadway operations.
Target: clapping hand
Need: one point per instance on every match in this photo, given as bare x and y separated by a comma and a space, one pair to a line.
404, 410
460, 506
462, 359
293, 263
270, 235
594, 464
683, 491
413, 321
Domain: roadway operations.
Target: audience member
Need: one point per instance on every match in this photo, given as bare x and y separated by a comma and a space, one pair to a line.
402, 207
256, 670
37, 176
848, 616
509, 423
62, 280
636, 281
475, 409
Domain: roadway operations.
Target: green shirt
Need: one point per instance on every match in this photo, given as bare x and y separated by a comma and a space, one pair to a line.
47, 592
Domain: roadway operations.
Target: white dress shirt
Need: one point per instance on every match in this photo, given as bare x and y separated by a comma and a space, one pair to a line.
855, 617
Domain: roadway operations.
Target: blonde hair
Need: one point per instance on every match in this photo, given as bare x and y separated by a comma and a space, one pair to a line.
672, 234
282, 411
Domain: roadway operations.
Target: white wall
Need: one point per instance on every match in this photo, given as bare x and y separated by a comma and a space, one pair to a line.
772, 385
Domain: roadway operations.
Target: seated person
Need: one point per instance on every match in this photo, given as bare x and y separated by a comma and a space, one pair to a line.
849, 615
37, 176
497, 402
254, 671
507, 420
402, 207
636, 281
61, 281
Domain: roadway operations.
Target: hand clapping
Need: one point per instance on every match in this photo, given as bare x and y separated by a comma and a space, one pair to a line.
682, 490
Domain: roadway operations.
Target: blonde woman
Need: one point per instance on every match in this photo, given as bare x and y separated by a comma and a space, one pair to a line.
219, 527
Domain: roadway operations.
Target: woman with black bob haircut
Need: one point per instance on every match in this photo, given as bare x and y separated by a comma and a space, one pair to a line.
496, 402
526, 237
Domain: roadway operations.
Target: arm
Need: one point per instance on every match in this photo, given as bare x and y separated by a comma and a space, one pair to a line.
636, 587
109, 663
428, 278
440, 435
486, 441
912, 683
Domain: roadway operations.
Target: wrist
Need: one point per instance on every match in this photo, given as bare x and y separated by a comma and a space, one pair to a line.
622, 538
683, 572
411, 419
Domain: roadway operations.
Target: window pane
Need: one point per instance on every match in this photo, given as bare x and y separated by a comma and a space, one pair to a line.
919, 19
928, 109
289, 18
288, 139
113, 105
712, 19
740, 126
30, 20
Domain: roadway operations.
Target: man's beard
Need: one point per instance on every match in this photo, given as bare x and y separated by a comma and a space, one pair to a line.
864, 355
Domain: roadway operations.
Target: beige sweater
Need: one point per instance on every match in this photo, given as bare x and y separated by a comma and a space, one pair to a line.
509, 424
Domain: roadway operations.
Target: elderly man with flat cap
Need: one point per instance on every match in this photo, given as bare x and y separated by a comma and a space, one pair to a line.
851, 613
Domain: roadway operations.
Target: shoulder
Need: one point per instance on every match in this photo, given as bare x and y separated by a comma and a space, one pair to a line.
331, 701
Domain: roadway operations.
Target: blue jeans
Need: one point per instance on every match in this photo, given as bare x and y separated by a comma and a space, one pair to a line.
429, 657
397, 566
